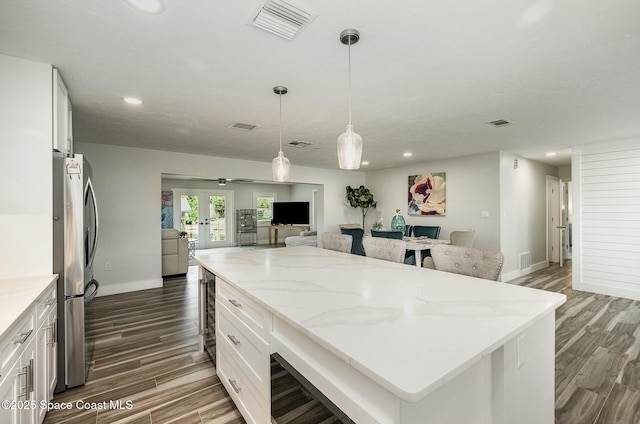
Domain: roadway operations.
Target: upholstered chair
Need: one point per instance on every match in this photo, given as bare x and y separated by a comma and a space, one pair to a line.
458, 238
385, 248
409, 256
337, 242
357, 234
462, 238
175, 253
481, 263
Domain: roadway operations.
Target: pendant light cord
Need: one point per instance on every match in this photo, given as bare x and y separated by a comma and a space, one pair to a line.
349, 80
280, 95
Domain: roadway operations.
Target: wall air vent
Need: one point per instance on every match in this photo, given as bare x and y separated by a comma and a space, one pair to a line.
500, 123
241, 126
282, 18
299, 144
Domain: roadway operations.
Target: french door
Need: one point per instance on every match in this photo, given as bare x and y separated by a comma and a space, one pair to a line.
205, 215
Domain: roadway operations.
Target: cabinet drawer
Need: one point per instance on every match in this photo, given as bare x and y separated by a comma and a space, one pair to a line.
45, 303
248, 311
249, 349
253, 405
17, 338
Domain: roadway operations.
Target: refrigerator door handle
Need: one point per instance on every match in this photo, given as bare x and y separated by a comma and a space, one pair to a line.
90, 297
94, 243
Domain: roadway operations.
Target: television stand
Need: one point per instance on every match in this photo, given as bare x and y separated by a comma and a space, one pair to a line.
275, 229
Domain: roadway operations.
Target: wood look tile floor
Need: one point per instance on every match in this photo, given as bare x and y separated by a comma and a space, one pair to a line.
146, 354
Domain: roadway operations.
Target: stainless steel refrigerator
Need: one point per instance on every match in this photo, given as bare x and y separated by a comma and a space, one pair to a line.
75, 239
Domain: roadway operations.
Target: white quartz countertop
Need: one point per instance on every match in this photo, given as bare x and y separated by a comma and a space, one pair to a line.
409, 329
18, 294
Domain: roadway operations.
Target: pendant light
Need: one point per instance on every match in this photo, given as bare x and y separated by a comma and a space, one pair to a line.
349, 143
280, 165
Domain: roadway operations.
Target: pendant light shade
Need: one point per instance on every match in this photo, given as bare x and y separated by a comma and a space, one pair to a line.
349, 143
349, 149
280, 164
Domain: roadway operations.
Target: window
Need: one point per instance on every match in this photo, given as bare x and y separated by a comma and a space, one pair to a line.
264, 206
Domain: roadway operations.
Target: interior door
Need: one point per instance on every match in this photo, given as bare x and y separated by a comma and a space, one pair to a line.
553, 219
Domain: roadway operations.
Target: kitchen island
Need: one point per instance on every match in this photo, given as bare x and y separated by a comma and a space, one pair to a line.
385, 342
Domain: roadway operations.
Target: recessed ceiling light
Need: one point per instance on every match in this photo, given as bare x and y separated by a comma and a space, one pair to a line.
551, 153
132, 100
153, 7
364, 163
407, 154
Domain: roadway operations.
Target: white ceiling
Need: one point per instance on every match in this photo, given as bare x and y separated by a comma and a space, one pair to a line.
427, 75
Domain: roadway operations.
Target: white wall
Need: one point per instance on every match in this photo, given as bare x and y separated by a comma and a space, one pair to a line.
523, 213
606, 218
26, 246
472, 184
128, 186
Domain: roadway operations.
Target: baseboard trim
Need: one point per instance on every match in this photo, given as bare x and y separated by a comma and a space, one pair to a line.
512, 275
107, 289
608, 290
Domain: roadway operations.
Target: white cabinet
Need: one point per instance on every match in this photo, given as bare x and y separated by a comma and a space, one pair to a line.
62, 116
242, 352
45, 369
28, 362
52, 353
17, 386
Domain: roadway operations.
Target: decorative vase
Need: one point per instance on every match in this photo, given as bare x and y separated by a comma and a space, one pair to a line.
397, 222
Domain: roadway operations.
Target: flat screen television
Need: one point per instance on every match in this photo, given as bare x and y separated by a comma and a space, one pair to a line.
293, 213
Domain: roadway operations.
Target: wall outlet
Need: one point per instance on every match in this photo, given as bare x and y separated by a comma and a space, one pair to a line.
484, 214
107, 266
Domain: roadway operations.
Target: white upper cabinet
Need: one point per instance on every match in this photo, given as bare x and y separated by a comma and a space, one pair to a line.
62, 130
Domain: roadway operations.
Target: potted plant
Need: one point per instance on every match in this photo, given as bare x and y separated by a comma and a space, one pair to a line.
361, 198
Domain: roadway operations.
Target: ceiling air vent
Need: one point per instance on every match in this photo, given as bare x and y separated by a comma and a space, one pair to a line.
282, 18
241, 126
500, 123
299, 144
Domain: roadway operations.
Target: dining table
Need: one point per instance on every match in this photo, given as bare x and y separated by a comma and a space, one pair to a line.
420, 244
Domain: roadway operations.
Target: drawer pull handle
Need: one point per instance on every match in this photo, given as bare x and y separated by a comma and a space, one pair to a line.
50, 301
23, 337
235, 386
235, 303
54, 332
233, 339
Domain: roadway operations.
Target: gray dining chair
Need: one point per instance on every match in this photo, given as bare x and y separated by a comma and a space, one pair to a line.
457, 238
384, 248
337, 242
481, 263
462, 238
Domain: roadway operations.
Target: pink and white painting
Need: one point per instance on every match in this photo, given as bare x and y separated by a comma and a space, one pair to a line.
427, 194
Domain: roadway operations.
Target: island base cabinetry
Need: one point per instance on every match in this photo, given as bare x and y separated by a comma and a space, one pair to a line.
242, 354
264, 387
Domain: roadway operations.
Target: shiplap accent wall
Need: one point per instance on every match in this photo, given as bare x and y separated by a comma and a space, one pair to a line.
607, 218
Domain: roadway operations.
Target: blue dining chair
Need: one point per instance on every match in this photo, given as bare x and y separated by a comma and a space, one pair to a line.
357, 234
433, 232
387, 234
